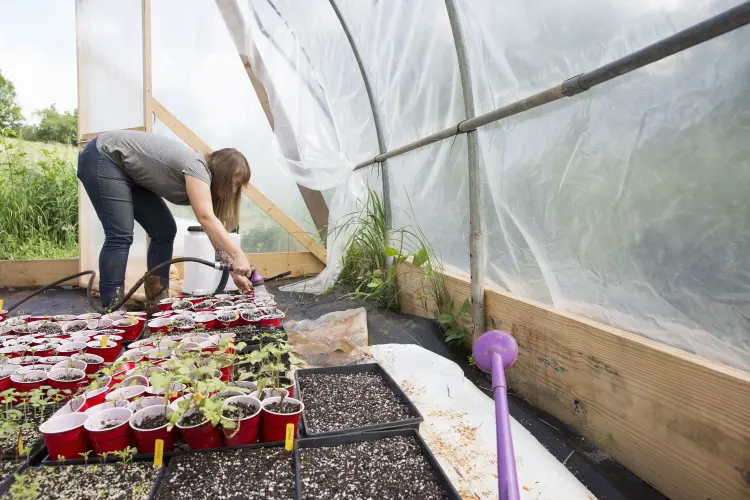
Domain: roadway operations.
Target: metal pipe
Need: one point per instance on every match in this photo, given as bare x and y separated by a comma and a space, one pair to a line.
378, 121
476, 226
704, 31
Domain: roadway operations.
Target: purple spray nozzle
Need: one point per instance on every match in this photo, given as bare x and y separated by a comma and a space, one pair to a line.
494, 352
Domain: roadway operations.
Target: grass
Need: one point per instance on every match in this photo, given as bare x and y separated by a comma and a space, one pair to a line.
38, 200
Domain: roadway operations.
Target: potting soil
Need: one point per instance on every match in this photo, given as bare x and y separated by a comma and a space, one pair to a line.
258, 473
132, 481
341, 401
387, 468
285, 408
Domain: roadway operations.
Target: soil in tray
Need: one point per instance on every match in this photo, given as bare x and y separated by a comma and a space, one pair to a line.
153, 422
392, 467
132, 481
8, 467
336, 402
29, 436
257, 473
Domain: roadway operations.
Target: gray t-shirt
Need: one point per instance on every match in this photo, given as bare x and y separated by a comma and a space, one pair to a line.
154, 162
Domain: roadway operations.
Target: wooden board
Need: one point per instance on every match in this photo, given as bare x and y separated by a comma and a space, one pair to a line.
265, 204
146, 50
679, 421
301, 264
34, 273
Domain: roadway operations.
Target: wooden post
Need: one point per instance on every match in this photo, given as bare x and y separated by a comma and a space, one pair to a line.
82, 228
146, 41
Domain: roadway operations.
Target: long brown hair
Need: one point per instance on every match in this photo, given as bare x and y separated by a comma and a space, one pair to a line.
223, 164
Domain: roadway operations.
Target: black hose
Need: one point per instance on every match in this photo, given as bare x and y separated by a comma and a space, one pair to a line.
126, 297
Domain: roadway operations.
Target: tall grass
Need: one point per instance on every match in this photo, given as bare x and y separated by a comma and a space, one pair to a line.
38, 203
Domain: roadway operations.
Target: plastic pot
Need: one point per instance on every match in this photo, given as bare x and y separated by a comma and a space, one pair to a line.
5, 372
71, 363
107, 405
134, 380
109, 353
145, 439
141, 403
113, 439
53, 360
166, 304
17, 381
129, 332
201, 436
25, 360
132, 355
246, 430
228, 320
126, 393
75, 405
97, 396
250, 317
207, 319
274, 424
189, 327
65, 435
245, 384
159, 325
269, 393
175, 391
90, 367
89, 316
71, 347
271, 320
13, 351
69, 385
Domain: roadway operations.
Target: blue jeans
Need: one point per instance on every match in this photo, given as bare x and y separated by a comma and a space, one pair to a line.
119, 202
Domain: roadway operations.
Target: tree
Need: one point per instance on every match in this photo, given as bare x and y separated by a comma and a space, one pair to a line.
10, 112
54, 126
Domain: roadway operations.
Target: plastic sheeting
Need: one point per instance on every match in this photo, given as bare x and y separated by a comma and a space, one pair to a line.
624, 204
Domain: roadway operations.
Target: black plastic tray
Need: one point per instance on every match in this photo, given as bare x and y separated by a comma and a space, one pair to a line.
341, 439
410, 423
5, 487
168, 469
37, 452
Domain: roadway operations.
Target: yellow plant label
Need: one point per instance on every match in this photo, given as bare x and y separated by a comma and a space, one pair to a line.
104, 341
158, 452
20, 445
132, 320
236, 314
289, 445
1, 304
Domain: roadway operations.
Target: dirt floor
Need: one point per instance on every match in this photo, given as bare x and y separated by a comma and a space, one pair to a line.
602, 476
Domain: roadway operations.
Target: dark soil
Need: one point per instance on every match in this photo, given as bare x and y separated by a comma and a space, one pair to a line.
251, 315
223, 303
153, 422
7, 468
75, 328
68, 378
335, 401
181, 305
183, 322
50, 329
393, 468
132, 481
242, 410
110, 424
31, 378
36, 417
259, 473
252, 335
86, 359
206, 304
192, 419
286, 408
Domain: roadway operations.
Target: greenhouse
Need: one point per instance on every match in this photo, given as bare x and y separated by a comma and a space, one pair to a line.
548, 192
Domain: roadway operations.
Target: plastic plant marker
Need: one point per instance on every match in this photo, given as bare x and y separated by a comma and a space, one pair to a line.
132, 320
104, 341
158, 452
1, 304
289, 444
20, 445
236, 314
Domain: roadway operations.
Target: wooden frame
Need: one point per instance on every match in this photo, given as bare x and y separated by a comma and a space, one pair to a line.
34, 273
146, 46
679, 421
265, 204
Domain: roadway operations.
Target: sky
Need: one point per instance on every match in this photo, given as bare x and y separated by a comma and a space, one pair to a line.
38, 52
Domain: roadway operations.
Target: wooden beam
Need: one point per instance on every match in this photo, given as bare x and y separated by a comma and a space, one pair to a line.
146, 46
31, 273
301, 264
265, 204
86, 138
679, 421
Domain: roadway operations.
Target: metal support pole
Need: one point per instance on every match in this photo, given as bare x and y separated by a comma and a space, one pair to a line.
476, 236
704, 31
378, 120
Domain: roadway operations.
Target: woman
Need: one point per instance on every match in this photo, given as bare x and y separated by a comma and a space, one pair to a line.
127, 176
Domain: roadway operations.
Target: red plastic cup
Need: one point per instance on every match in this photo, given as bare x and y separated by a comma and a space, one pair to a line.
227, 373
90, 367
201, 436
96, 396
129, 332
113, 439
274, 424
69, 385
207, 319
65, 435
17, 381
109, 353
145, 439
266, 321
106, 405
159, 324
246, 430
229, 323
126, 393
70, 348
5, 373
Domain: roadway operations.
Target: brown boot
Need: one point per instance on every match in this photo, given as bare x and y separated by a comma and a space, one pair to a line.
155, 292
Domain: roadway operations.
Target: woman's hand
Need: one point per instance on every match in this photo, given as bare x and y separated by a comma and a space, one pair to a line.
241, 266
242, 283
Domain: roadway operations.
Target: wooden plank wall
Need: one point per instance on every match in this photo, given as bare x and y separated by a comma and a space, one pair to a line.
34, 273
679, 421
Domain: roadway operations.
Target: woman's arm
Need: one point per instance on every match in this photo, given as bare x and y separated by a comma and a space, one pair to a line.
199, 194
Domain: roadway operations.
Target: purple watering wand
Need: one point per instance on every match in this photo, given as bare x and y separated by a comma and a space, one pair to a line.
495, 352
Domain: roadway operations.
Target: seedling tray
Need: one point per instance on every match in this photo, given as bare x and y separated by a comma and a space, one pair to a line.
375, 368
5, 487
343, 439
36, 454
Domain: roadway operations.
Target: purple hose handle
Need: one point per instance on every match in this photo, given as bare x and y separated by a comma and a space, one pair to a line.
255, 276
496, 351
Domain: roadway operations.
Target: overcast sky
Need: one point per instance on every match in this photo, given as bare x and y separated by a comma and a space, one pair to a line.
38, 52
